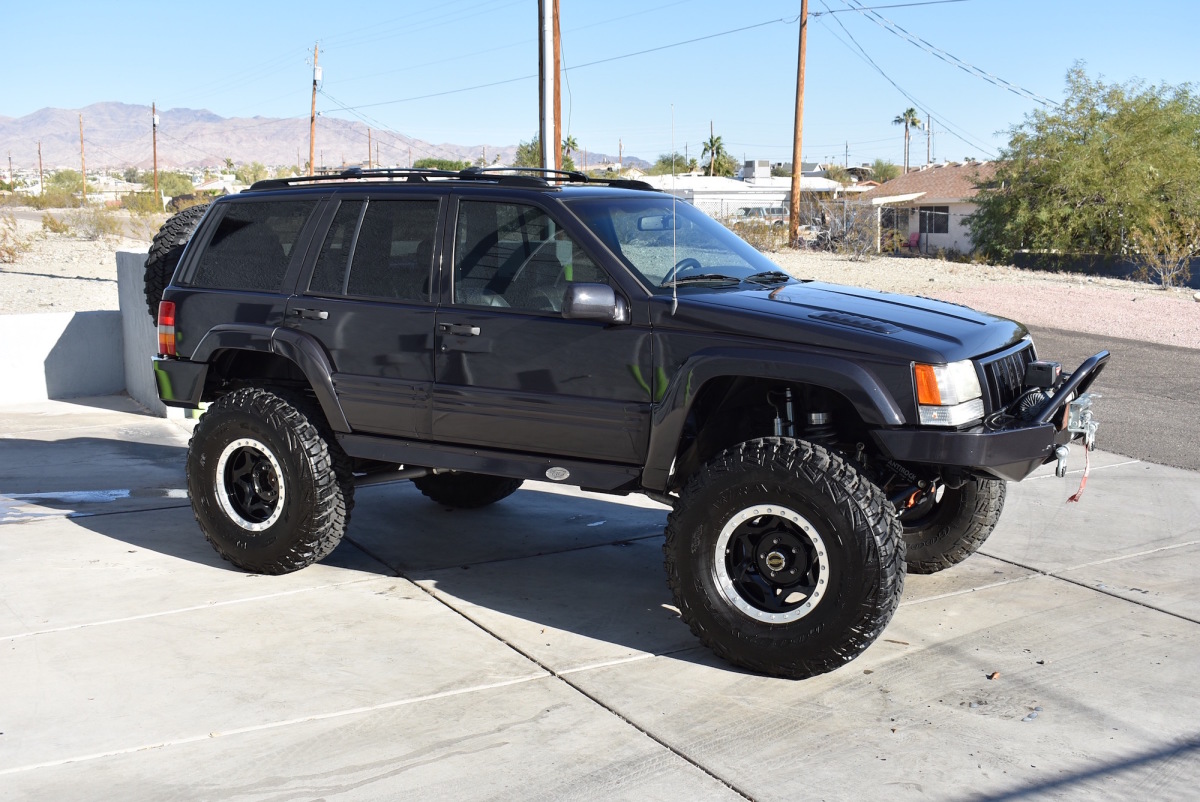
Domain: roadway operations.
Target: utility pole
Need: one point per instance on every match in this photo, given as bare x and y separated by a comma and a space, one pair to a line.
312, 119
368, 148
620, 156
712, 154
846, 163
928, 139
41, 182
154, 128
12, 185
82, 160
549, 109
558, 156
794, 203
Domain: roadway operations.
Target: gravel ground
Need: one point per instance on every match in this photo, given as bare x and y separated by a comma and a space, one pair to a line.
61, 273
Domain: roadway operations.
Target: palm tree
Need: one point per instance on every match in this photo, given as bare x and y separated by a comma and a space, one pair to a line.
570, 145
908, 119
714, 148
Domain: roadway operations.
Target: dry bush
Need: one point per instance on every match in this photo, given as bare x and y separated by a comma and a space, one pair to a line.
1164, 250
12, 244
94, 222
763, 236
53, 225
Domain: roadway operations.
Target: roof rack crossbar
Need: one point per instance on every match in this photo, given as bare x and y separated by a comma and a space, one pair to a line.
527, 176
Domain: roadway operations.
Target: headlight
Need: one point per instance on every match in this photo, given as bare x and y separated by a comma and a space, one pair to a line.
948, 395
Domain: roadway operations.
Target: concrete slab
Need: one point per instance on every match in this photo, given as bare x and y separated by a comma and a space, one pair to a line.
916, 717
128, 684
536, 740
571, 610
1165, 580
408, 532
1127, 508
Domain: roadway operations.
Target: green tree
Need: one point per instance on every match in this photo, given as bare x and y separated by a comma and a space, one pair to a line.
668, 164
249, 173
441, 164
836, 172
883, 170
719, 160
1081, 177
908, 119
529, 154
172, 184
569, 145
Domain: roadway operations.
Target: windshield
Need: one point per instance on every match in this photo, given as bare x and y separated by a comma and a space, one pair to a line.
670, 242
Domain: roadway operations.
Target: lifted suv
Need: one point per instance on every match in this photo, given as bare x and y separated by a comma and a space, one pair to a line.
472, 330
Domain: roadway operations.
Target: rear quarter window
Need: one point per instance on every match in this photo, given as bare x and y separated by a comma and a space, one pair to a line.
252, 246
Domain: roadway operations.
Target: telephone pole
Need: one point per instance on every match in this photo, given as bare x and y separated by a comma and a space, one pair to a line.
154, 126
82, 160
368, 148
549, 106
312, 119
794, 203
41, 182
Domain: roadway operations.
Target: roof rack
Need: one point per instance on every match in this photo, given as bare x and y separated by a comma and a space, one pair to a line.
519, 176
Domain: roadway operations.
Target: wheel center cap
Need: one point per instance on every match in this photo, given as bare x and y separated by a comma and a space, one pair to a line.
776, 561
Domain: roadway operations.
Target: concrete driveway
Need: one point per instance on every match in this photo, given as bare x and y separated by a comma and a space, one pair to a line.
530, 650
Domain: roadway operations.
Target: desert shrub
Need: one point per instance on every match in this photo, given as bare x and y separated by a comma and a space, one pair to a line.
55, 198
144, 202
763, 236
94, 222
1164, 249
12, 244
53, 225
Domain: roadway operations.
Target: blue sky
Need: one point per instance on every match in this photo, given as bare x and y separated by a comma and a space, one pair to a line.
410, 67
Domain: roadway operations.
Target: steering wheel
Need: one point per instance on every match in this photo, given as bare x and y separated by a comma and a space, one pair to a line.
687, 263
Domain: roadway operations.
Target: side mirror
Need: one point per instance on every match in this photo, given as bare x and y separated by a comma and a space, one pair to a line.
594, 302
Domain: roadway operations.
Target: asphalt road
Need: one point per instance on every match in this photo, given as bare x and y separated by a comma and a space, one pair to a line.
1150, 409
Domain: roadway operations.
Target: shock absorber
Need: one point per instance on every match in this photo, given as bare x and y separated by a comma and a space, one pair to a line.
819, 428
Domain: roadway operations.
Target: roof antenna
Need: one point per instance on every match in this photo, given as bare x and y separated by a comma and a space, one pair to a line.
674, 223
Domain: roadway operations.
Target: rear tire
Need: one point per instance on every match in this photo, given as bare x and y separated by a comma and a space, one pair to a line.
466, 491
783, 559
165, 251
270, 492
954, 528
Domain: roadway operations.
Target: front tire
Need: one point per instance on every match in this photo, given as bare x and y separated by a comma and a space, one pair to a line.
941, 533
783, 559
271, 493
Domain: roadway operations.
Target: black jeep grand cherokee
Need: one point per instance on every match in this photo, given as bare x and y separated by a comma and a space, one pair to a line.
472, 330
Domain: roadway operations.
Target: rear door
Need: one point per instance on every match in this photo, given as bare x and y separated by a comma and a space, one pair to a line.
368, 301
512, 372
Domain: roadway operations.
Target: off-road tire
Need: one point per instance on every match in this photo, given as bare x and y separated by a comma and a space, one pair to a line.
313, 486
956, 526
858, 545
466, 491
165, 251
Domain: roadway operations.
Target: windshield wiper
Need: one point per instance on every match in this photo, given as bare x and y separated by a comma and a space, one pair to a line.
768, 277
702, 278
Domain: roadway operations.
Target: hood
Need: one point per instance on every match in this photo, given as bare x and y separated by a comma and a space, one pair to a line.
850, 318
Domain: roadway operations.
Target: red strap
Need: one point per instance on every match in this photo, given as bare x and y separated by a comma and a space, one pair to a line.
1087, 468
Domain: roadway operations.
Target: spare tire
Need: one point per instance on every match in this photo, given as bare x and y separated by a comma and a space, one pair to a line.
165, 251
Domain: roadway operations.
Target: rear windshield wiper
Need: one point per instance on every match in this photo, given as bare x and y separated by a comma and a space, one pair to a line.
768, 277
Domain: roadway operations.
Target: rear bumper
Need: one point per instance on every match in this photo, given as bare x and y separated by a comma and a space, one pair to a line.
1012, 452
180, 381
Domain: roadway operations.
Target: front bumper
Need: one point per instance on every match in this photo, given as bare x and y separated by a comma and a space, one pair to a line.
1012, 452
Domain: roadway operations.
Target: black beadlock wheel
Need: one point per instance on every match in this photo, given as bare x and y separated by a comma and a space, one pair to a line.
270, 489
783, 559
944, 529
165, 252
466, 491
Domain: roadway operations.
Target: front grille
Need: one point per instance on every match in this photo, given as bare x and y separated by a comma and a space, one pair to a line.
1005, 375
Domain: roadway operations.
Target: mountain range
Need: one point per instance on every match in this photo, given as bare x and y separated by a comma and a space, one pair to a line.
119, 135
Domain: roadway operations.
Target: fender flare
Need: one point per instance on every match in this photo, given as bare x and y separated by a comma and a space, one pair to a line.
297, 347
873, 402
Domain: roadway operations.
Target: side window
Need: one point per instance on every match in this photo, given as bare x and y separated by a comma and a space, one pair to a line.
252, 245
378, 249
935, 219
513, 255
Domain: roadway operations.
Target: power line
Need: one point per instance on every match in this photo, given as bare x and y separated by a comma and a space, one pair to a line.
576, 67
950, 127
872, 8
955, 61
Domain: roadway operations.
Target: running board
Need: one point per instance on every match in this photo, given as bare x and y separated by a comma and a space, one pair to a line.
601, 476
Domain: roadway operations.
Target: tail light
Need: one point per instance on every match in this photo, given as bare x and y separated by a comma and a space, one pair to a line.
166, 328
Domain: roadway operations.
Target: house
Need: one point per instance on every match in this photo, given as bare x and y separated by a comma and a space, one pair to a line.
721, 197
929, 206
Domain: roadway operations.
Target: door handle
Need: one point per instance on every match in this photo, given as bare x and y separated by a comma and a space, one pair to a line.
461, 329
311, 314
